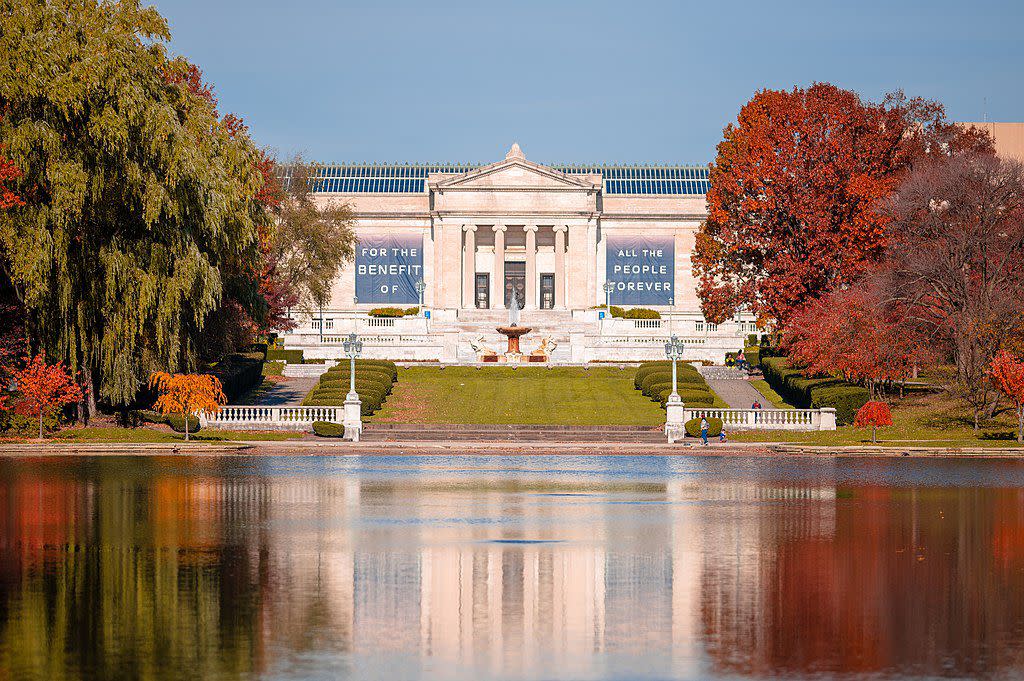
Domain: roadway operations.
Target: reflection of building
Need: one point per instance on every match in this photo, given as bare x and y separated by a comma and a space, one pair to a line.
550, 235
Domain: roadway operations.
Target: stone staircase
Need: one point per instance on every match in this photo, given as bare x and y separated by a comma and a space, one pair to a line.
306, 370
413, 432
721, 373
473, 325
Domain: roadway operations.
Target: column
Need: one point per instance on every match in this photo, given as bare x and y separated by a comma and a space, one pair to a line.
560, 266
469, 267
577, 267
498, 300
531, 267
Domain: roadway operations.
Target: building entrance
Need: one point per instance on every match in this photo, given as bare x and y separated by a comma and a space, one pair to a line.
515, 283
483, 291
547, 291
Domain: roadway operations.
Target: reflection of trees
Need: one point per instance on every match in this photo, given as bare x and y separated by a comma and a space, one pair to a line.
881, 593
149, 576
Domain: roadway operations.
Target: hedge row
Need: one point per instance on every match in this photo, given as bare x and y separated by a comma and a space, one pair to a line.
394, 312
280, 354
684, 372
654, 379
328, 429
375, 379
814, 393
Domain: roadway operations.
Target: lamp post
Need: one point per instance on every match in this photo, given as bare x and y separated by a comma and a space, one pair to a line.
420, 288
608, 288
671, 313
353, 421
674, 409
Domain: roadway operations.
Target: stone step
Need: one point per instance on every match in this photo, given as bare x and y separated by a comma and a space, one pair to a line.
387, 432
722, 373
305, 370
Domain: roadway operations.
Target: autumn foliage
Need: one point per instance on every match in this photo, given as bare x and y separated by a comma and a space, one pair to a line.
8, 172
186, 394
44, 389
794, 209
874, 414
1007, 373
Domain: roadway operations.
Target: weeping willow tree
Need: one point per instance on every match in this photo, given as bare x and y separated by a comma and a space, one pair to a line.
137, 195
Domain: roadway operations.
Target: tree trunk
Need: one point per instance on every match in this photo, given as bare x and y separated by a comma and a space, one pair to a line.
873, 440
186, 427
1020, 423
40, 424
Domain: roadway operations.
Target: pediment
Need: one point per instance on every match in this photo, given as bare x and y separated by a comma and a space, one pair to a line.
514, 174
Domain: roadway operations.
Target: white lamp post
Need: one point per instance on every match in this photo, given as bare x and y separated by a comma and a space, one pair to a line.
420, 288
353, 405
608, 288
674, 409
671, 313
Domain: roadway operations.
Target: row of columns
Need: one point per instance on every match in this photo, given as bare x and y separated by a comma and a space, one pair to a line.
498, 270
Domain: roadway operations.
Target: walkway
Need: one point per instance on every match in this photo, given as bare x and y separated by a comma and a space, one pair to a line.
287, 391
738, 393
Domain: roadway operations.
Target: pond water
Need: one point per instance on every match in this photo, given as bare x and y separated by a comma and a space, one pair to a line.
510, 568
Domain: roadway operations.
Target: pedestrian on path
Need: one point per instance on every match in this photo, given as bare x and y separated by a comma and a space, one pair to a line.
721, 436
704, 431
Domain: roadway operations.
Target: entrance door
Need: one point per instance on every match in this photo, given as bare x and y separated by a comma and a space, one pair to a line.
515, 283
483, 290
547, 291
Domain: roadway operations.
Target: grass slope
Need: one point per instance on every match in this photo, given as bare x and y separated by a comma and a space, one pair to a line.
529, 395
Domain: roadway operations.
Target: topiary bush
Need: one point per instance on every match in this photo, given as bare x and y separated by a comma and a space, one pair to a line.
684, 370
693, 427
177, 423
328, 429
680, 385
845, 399
700, 398
641, 313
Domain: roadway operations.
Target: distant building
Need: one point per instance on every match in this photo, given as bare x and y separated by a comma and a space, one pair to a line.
472, 237
1009, 138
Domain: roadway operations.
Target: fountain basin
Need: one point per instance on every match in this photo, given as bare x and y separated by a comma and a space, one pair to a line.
513, 333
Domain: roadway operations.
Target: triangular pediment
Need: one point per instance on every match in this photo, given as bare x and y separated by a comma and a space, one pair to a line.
514, 173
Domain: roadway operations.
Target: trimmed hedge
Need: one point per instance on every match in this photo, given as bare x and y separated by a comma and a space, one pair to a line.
689, 397
328, 429
394, 312
290, 356
814, 393
681, 386
845, 399
177, 423
684, 371
693, 427
641, 313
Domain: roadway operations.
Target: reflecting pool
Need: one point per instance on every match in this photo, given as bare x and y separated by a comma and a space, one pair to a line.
510, 568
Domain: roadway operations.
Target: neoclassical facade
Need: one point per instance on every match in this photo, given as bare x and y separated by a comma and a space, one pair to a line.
462, 241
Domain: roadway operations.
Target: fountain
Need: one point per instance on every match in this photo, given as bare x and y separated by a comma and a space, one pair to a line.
513, 331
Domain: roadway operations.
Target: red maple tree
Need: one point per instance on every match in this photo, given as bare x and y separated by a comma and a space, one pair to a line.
794, 204
44, 389
874, 414
1007, 373
8, 171
857, 334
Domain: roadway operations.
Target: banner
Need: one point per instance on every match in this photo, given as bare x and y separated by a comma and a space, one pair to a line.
388, 267
642, 268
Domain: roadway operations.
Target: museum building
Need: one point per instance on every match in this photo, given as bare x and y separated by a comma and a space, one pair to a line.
461, 241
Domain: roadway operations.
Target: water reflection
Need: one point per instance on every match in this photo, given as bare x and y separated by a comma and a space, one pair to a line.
590, 568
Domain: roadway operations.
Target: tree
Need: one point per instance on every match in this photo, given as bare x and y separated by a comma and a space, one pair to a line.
310, 243
956, 262
1007, 372
44, 389
793, 208
8, 172
874, 414
138, 198
857, 334
187, 394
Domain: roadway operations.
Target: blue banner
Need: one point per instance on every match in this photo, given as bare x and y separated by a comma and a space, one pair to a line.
388, 267
642, 268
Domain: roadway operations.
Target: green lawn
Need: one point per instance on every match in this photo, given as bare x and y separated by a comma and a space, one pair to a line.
761, 386
122, 435
933, 420
529, 395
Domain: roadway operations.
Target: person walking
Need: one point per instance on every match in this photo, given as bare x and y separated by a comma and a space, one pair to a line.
721, 436
704, 425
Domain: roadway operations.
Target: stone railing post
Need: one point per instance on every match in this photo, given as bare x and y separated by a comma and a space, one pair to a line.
827, 419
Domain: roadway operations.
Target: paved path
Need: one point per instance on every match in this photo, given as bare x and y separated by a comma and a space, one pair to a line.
738, 394
287, 391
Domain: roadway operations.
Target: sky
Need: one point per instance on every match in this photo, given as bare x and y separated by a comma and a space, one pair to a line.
576, 82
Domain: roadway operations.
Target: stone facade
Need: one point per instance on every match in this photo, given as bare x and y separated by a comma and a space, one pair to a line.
516, 227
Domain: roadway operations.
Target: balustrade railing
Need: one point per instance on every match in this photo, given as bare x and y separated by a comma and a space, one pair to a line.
238, 417
767, 419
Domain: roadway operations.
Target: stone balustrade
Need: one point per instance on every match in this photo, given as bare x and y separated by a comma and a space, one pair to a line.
767, 419
232, 417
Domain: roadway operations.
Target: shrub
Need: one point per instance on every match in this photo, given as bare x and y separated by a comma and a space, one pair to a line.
845, 399
752, 340
12, 423
690, 397
684, 371
693, 427
641, 313
753, 355
149, 416
328, 429
394, 312
616, 311
238, 373
369, 372
280, 354
680, 386
653, 379
273, 368
177, 423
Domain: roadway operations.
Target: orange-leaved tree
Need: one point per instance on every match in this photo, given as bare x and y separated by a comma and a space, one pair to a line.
186, 394
1007, 373
874, 414
45, 389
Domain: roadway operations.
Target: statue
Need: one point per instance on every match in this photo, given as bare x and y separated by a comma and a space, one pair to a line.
546, 347
481, 348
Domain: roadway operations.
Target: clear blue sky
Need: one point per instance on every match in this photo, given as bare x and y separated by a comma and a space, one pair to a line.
591, 81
